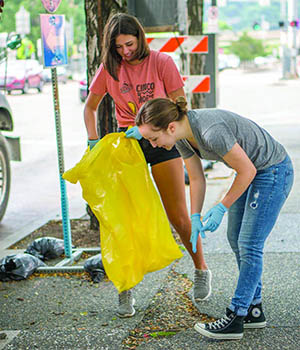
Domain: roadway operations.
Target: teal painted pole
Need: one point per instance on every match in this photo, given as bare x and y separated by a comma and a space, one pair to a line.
61, 166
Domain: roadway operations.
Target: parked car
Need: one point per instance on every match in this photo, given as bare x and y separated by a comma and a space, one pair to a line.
228, 61
265, 61
61, 72
21, 75
9, 150
83, 90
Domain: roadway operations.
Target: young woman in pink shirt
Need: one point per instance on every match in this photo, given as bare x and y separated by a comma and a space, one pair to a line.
132, 74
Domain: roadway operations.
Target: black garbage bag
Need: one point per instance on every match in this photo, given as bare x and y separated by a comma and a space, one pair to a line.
95, 268
18, 266
46, 248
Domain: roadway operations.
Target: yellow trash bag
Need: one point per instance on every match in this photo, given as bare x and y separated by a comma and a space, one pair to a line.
135, 233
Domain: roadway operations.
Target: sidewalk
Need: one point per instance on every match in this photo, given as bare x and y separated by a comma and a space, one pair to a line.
55, 312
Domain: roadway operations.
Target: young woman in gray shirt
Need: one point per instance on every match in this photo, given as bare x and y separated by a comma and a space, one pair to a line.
264, 178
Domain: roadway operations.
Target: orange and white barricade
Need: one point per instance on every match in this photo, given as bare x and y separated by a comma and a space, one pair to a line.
185, 44
188, 44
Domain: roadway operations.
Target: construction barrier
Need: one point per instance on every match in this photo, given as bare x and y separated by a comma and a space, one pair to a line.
181, 44
197, 84
187, 44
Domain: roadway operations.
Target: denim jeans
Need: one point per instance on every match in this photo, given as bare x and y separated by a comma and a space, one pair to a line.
250, 220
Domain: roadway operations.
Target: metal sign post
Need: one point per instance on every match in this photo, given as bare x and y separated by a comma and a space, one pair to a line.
54, 54
61, 166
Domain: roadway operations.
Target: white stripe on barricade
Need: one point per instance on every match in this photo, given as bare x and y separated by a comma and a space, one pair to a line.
197, 84
186, 44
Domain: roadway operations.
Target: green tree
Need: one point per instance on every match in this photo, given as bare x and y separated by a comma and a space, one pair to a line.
224, 26
241, 15
247, 48
72, 9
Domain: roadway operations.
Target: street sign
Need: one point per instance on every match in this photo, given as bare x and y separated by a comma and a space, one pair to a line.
22, 21
53, 40
213, 17
51, 5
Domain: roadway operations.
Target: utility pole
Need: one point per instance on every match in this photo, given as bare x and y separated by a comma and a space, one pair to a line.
292, 36
285, 53
289, 16
211, 65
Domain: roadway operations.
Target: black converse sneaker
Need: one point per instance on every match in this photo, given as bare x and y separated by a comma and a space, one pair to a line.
229, 327
255, 317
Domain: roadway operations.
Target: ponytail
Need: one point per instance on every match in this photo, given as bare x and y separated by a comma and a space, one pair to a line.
160, 112
181, 105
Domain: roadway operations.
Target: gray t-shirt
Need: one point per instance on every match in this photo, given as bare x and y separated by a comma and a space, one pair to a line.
217, 130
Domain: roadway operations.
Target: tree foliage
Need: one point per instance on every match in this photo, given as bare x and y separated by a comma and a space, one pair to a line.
241, 15
247, 48
72, 9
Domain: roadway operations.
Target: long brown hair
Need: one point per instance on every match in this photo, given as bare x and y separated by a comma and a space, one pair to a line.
121, 23
160, 112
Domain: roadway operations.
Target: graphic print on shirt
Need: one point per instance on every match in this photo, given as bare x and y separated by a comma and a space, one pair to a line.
126, 87
132, 106
145, 92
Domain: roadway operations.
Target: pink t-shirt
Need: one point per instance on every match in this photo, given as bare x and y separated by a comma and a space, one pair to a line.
156, 76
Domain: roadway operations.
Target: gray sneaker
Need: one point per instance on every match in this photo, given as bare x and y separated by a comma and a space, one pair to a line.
126, 302
202, 285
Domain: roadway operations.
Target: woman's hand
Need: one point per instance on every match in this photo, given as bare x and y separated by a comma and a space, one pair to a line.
133, 133
92, 143
214, 217
197, 227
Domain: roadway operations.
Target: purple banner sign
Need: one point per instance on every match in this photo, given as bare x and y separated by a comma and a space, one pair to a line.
51, 5
54, 40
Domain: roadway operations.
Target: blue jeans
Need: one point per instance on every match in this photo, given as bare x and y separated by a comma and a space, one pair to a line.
250, 220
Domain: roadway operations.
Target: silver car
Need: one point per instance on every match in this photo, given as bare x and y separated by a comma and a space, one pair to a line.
9, 150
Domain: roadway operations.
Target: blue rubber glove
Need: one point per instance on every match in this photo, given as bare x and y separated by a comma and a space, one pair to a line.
133, 133
214, 217
197, 227
92, 143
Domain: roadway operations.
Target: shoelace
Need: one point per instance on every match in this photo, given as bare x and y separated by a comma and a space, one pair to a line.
222, 322
124, 297
200, 279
